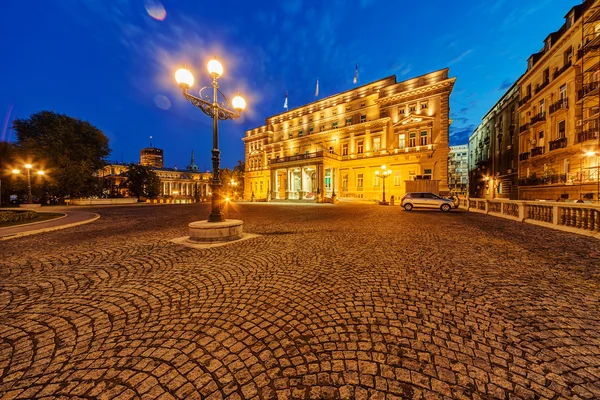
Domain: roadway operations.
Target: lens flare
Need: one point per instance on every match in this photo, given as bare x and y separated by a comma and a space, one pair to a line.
162, 102
156, 10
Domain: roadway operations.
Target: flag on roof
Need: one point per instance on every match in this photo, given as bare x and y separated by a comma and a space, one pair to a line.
285, 104
317, 89
356, 74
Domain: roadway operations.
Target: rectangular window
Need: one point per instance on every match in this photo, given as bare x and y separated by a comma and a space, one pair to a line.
397, 178
412, 139
363, 118
345, 181
348, 121
328, 182
360, 146
402, 141
334, 125
541, 135
363, 104
529, 90
412, 108
423, 139
300, 133
261, 186
566, 166
563, 92
322, 128
348, 108
542, 106
345, 149
310, 130
423, 105
330, 149
401, 110
546, 75
562, 129
375, 179
427, 174
376, 144
359, 180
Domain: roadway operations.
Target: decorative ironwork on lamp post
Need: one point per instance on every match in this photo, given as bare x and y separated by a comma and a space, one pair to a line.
28, 168
384, 173
218, 111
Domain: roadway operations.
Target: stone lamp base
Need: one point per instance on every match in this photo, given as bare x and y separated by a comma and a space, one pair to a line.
210, 232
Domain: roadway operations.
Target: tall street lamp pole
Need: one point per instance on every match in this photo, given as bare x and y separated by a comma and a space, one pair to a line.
28, 168
217, 111
384, 173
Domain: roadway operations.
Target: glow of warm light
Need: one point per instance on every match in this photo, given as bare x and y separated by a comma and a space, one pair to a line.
15, 171
377, 173
41, 172
590, 154
156, 10
487, 178
28, 166
383, 167
215, 68
184, 78
238, 103
227, 199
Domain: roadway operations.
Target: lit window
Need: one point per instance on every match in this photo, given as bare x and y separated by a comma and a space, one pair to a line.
377, 144
423, 139
348, 121
561, 129
345, 181
345, 149
402, 141
375, 180
360, 146
412, 139
397, 178
359, 180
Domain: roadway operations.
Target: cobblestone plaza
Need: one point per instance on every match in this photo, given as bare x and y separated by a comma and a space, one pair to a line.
330, 302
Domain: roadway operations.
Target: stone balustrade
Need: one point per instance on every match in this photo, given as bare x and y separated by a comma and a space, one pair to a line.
578, 218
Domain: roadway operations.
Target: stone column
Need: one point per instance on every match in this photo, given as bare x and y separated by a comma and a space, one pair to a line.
302, 183
288, 187
273, 189
384, 138
368, 143
352, 149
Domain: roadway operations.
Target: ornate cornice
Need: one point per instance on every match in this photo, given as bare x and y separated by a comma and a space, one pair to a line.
443, 86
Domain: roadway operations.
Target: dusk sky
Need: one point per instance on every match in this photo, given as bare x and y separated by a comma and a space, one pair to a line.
112, 62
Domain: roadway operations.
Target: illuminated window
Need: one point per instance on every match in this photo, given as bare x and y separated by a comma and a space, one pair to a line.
345, 181
345, 149
363, 118
375, 179
397, 180
360, 146
376, 144
401, 140
359, 180
562, 128
423, 139
427, 174
412, 139
348, 121
261, 186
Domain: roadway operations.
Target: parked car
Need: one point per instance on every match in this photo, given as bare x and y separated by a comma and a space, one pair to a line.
426, 200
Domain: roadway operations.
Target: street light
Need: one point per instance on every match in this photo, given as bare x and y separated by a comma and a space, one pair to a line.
597, 154
217, 111
28, 168
384, 173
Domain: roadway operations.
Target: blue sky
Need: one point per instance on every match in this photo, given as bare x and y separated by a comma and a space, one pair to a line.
112, 62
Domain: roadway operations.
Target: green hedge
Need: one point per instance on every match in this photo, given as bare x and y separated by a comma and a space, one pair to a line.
14, 216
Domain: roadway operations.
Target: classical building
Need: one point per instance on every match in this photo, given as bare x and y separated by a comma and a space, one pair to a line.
493, 146
334, 146
458, 169
152, 156
177, 186
559, 111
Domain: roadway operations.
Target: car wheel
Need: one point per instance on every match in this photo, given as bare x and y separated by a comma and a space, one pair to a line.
408, 206
445, 207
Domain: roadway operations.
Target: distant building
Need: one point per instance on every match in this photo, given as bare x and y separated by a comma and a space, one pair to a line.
458, 169
177, 186
335, 145
152, 156
493, 147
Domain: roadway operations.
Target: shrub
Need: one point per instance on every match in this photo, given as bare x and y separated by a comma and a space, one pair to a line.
14, 216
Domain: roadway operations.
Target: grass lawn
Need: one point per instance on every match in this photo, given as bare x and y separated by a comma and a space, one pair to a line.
40, 218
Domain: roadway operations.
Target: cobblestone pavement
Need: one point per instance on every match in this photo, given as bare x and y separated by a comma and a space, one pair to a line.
345, 301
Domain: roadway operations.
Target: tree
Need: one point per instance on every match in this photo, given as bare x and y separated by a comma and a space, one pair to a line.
143, 181
8, 184
70, 150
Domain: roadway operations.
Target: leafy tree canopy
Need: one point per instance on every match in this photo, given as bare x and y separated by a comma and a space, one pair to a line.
143, 181
70, 150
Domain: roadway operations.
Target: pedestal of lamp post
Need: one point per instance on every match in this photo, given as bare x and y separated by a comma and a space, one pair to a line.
210, 232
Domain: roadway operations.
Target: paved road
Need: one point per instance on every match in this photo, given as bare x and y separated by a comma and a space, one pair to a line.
351, 302
72, 218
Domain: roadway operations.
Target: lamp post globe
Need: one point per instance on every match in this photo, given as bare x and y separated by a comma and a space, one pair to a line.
16, 171
238, 103
184, 78
215, 68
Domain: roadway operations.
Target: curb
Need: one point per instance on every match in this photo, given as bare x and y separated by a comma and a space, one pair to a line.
64, 215
53, 228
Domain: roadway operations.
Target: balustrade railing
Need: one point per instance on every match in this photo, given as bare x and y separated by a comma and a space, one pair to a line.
572, 217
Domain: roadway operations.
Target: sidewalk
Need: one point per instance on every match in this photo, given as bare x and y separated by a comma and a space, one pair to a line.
71, 218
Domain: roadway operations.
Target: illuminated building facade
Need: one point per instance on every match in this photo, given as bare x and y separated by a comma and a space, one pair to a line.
458, 169
152, 157
333, 147
559, 112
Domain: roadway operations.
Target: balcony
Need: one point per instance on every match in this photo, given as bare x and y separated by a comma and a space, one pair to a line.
524, 128
559, 143
561, 104
563, 69
537, 151
524, 156
546, 180
587, 89
524, 100
539, 117
541, 86
589, 134
297, 157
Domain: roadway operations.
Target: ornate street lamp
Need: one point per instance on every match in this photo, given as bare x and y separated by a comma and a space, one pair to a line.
28, 168
218, 111
384, 173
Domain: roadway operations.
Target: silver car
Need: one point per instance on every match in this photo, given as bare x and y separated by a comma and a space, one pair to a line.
425, 200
